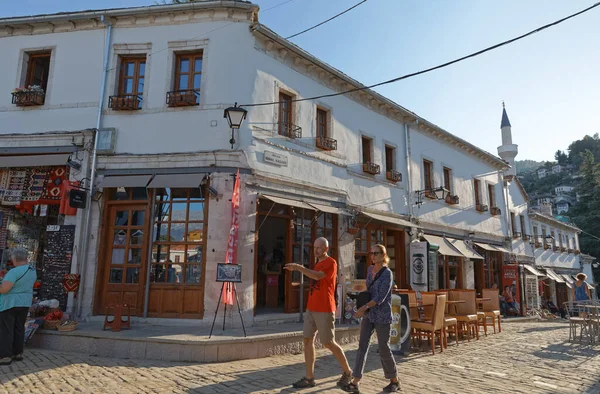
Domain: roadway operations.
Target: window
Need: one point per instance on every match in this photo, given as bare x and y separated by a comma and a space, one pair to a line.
178, 239
535, 234
38, 68
366, 149
523, 228
477, 187
285, 114
553, 238
544, 240
133, 71
188, 78
322, 123
449, 272
448, 179
427, 174
513, 224
361, 254
491, 196
390, 154
560, 240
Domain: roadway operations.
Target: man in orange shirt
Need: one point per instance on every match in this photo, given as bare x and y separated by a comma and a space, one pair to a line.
320, 314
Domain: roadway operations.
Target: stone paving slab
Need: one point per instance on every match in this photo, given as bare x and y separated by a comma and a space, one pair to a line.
525, 358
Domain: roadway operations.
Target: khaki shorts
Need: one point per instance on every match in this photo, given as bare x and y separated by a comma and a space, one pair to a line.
323, 322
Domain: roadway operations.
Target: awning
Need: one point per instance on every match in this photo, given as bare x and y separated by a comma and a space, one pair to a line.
446, 248
465, 249
389, 219
568, 278
125, 181
288, 201
177, 180
590, 286
33, 160
532, 270
487, 247
502, 249
554, 276
329, 209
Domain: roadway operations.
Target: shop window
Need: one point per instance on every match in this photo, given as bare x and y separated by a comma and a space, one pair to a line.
361, 253
178, 238
491, 269
302, 238
126, 193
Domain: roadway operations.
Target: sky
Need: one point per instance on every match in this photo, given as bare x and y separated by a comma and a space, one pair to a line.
549, 81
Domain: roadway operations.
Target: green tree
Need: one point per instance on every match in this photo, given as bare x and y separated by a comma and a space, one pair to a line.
561, 157
586, 143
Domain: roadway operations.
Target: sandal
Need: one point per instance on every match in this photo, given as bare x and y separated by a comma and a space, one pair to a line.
5, 361
393, 387
304, 383
351, 388
345, 380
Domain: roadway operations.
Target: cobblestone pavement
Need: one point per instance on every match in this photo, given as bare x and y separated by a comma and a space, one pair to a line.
525, 358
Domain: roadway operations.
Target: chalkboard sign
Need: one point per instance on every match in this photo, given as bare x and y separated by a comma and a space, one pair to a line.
77, 198
58, 253
229, 273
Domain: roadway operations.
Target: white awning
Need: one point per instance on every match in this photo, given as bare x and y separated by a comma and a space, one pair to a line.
177, 181
33, 160
554, 276
385, 217
465, 249
590, 286
502, 249
568, 278
487, 247
446, 248
288, 201
532, 270
125, 181
328, 209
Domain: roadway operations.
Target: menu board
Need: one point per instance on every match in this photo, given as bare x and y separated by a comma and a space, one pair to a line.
58, 253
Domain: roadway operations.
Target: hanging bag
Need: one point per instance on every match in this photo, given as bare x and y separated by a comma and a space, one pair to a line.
365, 296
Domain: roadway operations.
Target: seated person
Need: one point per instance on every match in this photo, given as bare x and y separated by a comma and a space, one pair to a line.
551, 307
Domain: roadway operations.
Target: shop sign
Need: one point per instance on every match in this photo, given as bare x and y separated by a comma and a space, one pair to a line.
510, 285
77, 198
276, 159
418, 266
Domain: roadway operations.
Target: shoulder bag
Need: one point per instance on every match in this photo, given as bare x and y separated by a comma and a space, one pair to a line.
364, 297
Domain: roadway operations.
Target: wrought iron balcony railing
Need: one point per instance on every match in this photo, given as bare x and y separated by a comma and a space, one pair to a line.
125, 102
183, 98
371, 168
393, 175
28, 98
326, 143
289, 130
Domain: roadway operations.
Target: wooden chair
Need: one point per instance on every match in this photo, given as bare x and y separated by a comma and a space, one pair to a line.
450, 323
435, 327
466, 313
428, 300
412, 299
490, 310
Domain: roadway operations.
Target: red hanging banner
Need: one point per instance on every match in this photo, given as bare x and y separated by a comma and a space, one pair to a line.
232, 243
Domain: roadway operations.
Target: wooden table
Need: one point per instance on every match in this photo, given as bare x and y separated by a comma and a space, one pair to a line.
453, 304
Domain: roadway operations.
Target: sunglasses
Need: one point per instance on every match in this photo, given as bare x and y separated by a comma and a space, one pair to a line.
375, 253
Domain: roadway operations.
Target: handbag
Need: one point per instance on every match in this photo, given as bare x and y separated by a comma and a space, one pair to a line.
364, 297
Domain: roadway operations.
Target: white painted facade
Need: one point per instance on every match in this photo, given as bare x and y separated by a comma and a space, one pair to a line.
557, 169
158, 139
542, 173
563, 189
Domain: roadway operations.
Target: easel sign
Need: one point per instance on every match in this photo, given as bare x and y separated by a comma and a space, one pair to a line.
229, 275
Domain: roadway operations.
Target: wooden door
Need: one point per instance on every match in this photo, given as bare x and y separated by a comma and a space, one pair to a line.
125, 256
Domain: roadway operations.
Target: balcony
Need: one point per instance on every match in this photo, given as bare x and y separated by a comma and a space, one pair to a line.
453, 200
289, 130
371, 168
495, 211
28, 98
547, 246
563, 249
126, 102
570, 251
326, 143
183, 98
555, 248
481, 207
393, 176
538, 245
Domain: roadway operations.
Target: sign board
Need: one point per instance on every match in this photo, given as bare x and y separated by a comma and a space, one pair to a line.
276, 159
418, 266
229, 273
77, 198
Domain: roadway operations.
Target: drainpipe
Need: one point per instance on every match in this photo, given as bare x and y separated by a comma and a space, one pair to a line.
84, 244
408, 169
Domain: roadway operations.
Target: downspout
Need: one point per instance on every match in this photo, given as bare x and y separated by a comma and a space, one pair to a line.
408, 170
82, 267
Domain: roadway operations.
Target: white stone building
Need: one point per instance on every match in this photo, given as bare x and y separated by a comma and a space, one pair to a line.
356, 168
542, 173
563, 189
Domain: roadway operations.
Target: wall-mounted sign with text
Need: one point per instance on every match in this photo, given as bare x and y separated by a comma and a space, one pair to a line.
276, 159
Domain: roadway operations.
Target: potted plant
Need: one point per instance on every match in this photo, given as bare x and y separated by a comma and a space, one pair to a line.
31, 95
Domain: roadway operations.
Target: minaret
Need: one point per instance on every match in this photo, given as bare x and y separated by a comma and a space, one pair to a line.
507, 151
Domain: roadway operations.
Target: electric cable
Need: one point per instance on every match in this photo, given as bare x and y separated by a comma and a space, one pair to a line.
328, 20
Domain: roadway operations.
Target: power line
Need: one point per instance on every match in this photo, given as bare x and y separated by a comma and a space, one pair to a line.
328, 20
436, 67
208, 32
